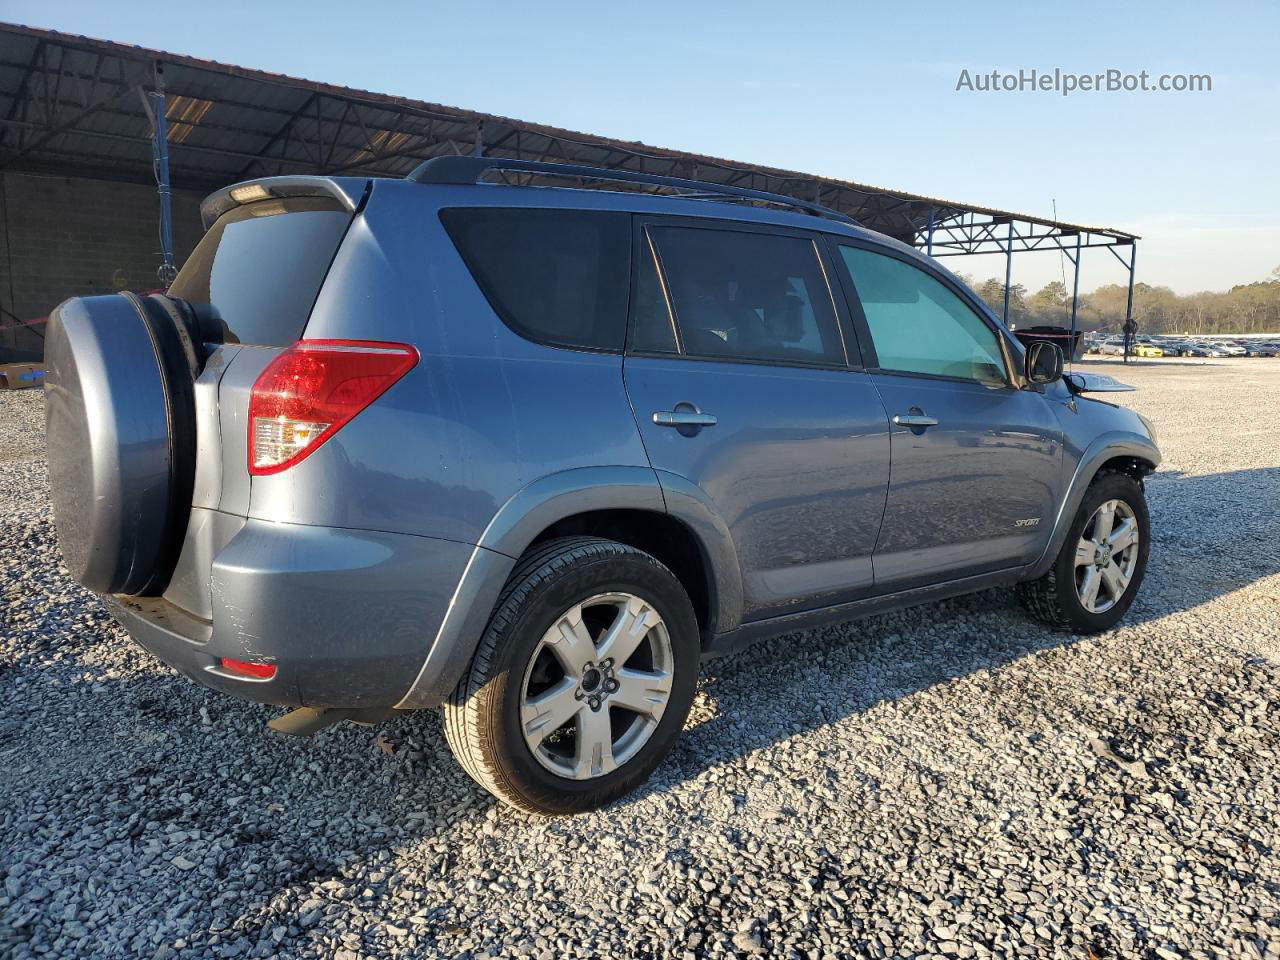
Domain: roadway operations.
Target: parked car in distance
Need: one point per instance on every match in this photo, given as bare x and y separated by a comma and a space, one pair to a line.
1256, 348
1113, 346
1229, 348
1147, 350
378, 450
1182, 348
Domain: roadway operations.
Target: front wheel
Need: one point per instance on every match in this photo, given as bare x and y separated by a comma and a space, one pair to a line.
1096, 575
582, 681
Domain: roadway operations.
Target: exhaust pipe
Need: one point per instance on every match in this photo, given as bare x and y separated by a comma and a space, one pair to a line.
304, 721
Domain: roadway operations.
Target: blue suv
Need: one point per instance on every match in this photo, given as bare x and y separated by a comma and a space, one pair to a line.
481, 440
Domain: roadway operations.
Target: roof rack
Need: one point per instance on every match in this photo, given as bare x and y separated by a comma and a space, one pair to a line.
469, 170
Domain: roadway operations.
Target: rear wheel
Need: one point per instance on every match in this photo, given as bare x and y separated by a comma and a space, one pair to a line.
582, 681
1096, 575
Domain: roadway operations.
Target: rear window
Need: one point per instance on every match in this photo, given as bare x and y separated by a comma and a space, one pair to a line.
260, 266
554, 276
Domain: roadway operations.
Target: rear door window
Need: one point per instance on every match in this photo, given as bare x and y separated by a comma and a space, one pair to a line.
559, 277
260, 267
742, 295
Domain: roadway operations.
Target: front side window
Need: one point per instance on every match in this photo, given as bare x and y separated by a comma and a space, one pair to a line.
748, 296
554, 276
918, 325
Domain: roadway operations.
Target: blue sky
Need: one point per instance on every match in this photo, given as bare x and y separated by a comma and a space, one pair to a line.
861, 91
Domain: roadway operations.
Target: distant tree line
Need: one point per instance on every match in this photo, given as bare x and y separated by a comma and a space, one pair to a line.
1245, 308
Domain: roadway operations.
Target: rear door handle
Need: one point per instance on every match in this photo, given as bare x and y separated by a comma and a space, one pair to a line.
683, 418
915, 420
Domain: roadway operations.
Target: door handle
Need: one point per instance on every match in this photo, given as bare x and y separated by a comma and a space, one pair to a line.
683, 418
915, 420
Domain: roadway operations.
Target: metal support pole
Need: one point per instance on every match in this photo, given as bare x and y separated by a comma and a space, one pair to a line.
1075, 296
929, 235
155, 103
1128, 303
1008, 273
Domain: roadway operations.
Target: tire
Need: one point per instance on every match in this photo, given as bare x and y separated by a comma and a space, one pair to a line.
1056, 598
515, 672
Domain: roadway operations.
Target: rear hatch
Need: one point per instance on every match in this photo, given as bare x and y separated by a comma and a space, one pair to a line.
253, 280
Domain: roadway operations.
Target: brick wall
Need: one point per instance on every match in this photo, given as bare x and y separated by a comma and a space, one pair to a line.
62, 237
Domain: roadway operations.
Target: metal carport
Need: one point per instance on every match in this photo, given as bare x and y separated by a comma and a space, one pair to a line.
78, 107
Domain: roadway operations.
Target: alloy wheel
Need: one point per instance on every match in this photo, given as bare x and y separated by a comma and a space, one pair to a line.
1106, 556
596, 686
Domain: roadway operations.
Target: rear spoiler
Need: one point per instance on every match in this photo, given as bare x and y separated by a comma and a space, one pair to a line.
348, 191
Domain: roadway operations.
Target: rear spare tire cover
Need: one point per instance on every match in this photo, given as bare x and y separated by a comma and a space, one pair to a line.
120, 424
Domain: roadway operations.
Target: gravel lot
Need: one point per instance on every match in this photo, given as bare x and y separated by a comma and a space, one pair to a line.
950, 779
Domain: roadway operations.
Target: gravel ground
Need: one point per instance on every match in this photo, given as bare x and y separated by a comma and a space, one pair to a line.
950, 779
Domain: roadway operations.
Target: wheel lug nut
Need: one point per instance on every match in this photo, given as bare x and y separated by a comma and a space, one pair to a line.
611, 685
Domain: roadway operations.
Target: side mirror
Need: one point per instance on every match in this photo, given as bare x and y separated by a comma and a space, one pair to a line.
1043, 362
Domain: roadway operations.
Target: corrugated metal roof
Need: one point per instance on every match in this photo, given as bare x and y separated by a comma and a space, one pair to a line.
72, 104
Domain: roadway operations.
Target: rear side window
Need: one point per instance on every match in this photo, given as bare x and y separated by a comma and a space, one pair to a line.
748, 296
559, 277
260, 267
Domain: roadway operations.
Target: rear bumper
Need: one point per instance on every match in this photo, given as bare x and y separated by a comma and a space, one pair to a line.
346, 616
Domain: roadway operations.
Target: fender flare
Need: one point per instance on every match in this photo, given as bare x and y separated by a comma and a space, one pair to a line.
1108, 446
690, 504
526, 514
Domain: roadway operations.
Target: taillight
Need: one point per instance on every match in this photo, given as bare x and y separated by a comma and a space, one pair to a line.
309, 391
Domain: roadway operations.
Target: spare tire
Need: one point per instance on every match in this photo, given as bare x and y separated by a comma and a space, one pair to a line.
121, 429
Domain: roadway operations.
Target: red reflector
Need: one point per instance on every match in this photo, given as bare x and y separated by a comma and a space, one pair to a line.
257, 671
308, 392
